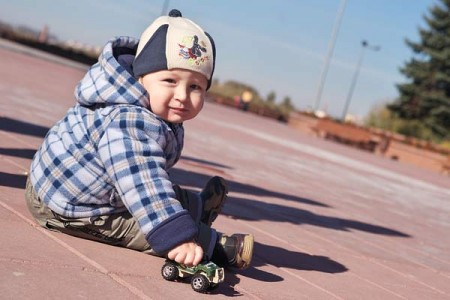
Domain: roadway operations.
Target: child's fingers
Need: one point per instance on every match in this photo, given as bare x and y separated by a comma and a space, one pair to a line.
181, 257
198, 255
194, 256
177, 255
189, 259
188, 254
172, 254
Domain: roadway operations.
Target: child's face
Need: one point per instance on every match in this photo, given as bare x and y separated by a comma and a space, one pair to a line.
175, 95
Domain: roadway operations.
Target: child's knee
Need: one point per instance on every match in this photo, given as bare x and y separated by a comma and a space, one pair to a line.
40, 212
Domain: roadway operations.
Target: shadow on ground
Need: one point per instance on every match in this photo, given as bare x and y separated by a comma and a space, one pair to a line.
13, 180
281, 258
22, 127
248, 209
198, 180
18, 152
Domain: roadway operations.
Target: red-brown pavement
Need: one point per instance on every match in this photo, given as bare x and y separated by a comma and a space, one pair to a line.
330, 222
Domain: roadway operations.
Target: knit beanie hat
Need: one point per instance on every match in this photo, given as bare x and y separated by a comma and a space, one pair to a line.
175, 42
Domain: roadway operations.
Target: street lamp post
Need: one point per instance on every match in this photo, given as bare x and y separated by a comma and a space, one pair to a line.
165, 7
365, 45
326, 64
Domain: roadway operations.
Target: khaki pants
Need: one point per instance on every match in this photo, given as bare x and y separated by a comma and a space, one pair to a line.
120, 229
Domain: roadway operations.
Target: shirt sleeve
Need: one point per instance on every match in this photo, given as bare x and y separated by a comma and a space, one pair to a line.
132, 150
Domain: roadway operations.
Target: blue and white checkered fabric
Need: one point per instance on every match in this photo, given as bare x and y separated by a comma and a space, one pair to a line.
110, 152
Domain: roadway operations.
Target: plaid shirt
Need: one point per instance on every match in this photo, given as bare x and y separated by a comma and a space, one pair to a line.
110, 153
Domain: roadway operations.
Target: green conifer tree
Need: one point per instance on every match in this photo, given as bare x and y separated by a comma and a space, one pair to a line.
425, 97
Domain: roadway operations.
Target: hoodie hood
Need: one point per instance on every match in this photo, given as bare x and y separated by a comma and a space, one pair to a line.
108, 82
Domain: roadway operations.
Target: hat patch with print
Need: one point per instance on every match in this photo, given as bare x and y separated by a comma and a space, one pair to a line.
192, 50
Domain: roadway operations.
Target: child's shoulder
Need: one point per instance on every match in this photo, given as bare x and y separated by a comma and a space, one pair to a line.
121, 110
133, 115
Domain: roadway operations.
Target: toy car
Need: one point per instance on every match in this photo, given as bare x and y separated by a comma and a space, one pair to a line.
205, 275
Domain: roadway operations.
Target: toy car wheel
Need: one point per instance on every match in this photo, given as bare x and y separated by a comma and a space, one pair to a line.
199, 283
169, 271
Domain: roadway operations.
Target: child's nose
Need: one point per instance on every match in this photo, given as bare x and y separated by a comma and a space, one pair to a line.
181, 93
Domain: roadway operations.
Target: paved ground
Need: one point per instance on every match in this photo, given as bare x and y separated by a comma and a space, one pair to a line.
330, 222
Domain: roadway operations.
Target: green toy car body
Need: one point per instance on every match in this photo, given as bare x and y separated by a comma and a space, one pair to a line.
205, 275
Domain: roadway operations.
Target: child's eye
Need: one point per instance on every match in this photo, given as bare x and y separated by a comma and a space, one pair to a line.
196, 87
169, 80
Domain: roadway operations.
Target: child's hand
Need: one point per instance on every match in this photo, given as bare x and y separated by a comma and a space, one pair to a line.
189, 254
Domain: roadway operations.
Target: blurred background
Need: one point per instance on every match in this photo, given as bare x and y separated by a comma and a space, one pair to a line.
349, 61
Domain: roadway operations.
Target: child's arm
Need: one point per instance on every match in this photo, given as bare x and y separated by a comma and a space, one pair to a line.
189, 254
133, 152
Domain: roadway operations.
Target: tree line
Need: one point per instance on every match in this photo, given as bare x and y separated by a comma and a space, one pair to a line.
232, 91
422, 109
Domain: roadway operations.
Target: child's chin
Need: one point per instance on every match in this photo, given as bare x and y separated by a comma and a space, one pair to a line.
176, 120
180, 118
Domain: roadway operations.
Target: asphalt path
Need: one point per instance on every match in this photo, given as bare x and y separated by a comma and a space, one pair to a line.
330, 222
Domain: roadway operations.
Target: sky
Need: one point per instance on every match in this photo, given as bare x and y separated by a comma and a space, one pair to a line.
271, 45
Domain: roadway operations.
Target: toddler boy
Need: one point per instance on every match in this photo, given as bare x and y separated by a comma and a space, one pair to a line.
102, 171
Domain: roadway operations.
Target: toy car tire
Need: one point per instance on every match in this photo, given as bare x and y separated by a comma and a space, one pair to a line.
169, 271
199, 283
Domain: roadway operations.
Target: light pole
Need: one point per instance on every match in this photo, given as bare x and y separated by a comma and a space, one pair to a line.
326, 64
365, 45
165, 7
